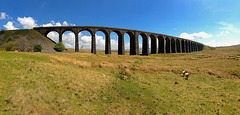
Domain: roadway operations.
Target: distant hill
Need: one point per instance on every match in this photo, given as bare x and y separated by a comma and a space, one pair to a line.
26, 40
234, 46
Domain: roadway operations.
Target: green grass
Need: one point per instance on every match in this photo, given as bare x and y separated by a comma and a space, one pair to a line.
59, 83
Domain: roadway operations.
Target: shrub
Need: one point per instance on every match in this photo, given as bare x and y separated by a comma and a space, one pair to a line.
9, 38
37, 48
10, 46
59, 47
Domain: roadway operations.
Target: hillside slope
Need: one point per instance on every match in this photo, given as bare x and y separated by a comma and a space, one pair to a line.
26, 40
81, 83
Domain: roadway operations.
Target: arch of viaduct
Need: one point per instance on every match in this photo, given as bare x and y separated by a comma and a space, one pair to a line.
166, 44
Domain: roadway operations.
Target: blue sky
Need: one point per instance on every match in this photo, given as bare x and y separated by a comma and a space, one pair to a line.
212, 22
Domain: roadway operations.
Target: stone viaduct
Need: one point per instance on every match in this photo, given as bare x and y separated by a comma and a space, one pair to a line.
166, 44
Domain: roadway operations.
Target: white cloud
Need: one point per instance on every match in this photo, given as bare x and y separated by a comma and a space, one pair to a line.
3, 15
69, 38
229, 27
58, 24
127, 46
216, 43
47, 25
27, 22
54, 36
53, 23
223, 33
65, 23
85, 42
100, 42
229, 35
9, 26
114, 44
195, 36
68, 45
211, 43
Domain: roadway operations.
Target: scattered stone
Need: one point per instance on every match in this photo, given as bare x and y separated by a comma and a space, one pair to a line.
143, 106
104, 98
125, 77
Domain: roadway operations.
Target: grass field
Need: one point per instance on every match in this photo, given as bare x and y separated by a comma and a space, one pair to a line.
83, 83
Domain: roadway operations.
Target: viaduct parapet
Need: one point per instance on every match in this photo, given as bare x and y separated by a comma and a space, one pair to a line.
166, 43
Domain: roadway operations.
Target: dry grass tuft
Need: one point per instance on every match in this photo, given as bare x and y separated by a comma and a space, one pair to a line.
176, 71
52, 61
113, 66
128, 72
79, 63
188, 70
152, 68
107, 65
173, 64
219, 74
123, 66
85, 64
130, 61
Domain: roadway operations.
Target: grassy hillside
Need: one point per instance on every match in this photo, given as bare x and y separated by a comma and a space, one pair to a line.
83, 83
25, 40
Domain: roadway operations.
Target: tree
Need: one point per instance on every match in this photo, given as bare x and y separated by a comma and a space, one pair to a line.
59, 47
9, 38
37, 48
10, 46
